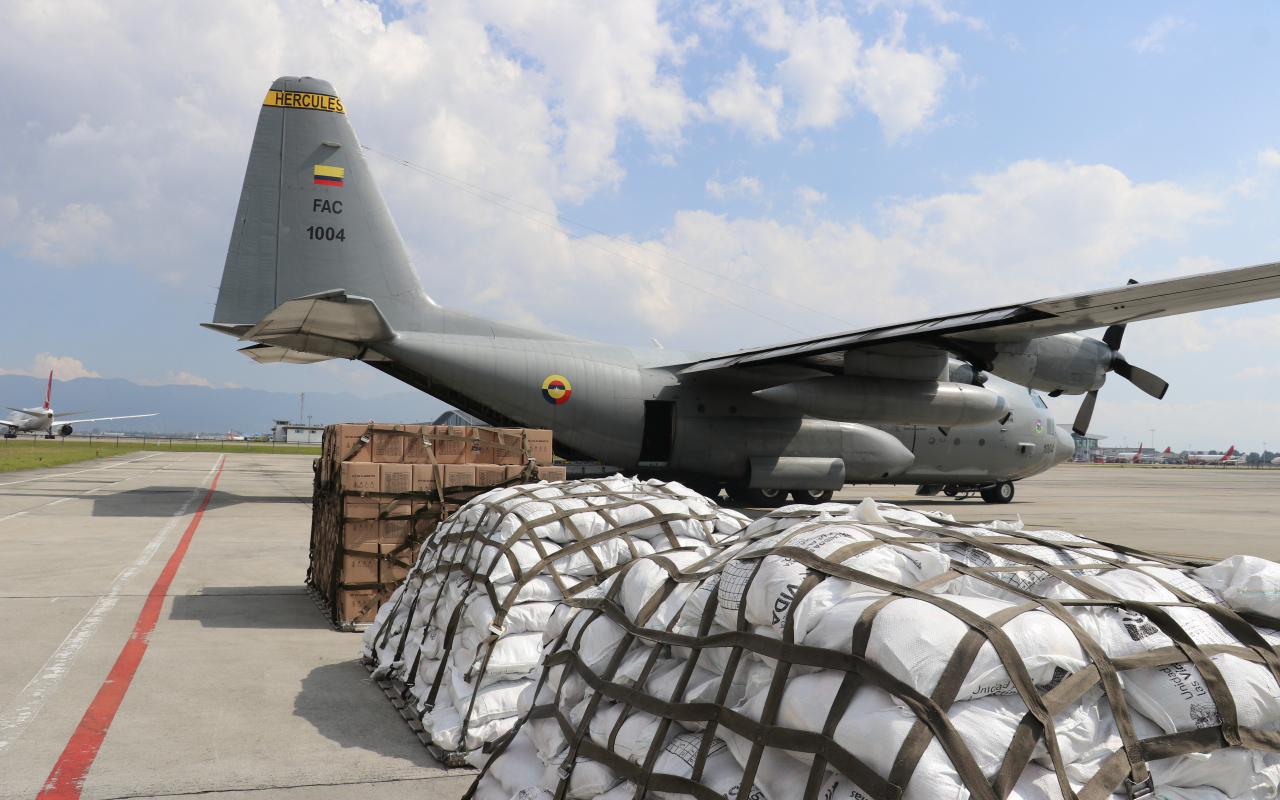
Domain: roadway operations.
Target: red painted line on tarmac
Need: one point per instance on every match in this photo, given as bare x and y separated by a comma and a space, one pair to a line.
66, 781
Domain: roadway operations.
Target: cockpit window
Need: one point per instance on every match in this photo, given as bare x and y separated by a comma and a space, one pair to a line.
1035, 398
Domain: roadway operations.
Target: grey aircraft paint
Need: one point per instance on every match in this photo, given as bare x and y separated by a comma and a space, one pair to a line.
316, 268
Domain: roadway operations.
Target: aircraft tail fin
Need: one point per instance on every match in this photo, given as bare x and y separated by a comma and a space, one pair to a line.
1230, 452
1168, 450
311, 219
48, 391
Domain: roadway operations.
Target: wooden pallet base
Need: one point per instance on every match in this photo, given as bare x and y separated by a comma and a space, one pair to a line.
398, 694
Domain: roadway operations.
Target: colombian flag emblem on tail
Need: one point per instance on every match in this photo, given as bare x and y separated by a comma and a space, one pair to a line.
328, 176
556, 389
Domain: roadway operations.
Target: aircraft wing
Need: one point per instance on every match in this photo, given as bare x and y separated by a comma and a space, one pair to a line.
101, 419
1075, 312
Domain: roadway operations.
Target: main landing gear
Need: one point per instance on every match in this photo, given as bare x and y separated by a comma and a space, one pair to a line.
777, 498
1001, 492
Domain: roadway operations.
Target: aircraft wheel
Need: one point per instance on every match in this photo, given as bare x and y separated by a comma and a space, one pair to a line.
768, 498
950, 491
811, 497
1000, 493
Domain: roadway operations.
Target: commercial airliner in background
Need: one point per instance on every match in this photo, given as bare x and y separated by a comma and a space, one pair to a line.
1224, 458
1160, 458
34, 420
1131, 458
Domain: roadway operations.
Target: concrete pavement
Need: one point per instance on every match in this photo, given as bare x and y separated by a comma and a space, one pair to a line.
244, 688
245, 691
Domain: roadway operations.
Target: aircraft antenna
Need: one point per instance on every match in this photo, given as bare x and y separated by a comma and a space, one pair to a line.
440, 176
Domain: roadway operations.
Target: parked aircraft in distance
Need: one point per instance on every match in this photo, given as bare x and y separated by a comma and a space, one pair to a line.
1131, 458
34, 420
316, 269
1159, 458
1224, 458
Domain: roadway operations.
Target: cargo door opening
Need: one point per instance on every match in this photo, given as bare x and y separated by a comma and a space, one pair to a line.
659, 433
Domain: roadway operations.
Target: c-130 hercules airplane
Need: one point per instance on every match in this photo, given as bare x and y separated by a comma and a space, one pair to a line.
316, 269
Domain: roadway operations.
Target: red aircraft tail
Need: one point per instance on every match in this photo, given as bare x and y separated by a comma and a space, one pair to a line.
1168, 451
48, 391
1138, 455
1227, 454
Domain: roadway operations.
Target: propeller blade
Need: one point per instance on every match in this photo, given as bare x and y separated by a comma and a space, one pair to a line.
1081, 426
1112, 337
1153, 385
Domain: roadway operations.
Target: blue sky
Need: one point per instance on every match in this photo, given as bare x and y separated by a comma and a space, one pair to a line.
878, 161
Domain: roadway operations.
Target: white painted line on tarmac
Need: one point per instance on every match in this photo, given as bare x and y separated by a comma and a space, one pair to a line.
30, 700
77, 472
96, 488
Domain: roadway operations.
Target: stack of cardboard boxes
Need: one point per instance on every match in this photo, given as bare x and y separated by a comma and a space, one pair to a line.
379, 492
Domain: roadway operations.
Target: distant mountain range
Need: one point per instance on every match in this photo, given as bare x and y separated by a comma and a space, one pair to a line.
199, 409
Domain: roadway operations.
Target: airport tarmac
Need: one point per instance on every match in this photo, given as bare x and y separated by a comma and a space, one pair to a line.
245, 691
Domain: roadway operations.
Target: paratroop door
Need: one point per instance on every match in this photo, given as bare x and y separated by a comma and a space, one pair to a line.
659, 433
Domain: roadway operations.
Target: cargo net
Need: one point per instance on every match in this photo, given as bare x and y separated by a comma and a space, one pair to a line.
853, 652
463, 636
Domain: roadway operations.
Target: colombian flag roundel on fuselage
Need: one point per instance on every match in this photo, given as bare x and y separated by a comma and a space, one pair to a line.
556, 389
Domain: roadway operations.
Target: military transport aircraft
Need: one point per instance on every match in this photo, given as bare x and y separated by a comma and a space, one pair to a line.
316, 269
34, 420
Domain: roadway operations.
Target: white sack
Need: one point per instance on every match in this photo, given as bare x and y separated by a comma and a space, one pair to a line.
720, 770
1246, 583
914, 640
1174, 696
519, 767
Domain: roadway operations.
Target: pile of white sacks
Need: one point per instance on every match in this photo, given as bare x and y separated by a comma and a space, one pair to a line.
466, 630
896, 597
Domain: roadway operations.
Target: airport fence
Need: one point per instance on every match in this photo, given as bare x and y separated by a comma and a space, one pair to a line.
175, 444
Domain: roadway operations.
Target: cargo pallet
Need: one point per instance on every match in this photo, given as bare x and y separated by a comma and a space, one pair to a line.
398, 694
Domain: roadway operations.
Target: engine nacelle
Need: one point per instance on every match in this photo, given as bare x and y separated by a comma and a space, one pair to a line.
882, 400
65, 430
1067, 363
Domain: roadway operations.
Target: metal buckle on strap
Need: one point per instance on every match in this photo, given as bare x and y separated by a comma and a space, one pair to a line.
562, 772
496, 630
1138, 791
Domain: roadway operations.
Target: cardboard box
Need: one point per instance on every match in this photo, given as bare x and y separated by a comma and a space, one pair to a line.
552, 473
394, 531
415, 452
361, 477
350, 601
458, 452
357, 534
348, 437
394, 572
396, 478
538, 441
494, 455
424, 478
490, 474
512, 471
361, 568
388, 447
459, 475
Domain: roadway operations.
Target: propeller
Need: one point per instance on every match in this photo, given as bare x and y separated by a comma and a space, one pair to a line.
1147, 382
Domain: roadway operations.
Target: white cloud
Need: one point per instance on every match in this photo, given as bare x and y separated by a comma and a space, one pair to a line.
1269, 158
178, 379
809, 196
64, 368
742, 101
937, 9
1032, 230
826, 68
742, 186
1153, 39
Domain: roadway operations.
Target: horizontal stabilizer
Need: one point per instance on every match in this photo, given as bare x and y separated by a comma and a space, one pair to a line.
330, 315
274, 354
